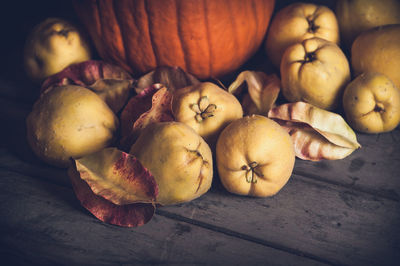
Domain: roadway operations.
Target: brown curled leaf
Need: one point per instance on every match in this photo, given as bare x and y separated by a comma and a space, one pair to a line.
317, 134
172, 77
262, 91
151, 105
112, 83
118, 177
129, 215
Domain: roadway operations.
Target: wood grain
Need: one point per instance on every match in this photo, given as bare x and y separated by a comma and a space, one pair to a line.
372, 169
309, 217
344, 212
44, 224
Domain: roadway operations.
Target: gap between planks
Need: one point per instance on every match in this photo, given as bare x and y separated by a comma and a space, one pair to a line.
211, 227
242, 236
359, 189
28, 169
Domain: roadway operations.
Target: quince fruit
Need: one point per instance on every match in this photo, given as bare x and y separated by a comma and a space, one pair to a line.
356, 16
206, 108
372, 103
255, 156
178, 158
378, 50
69, 122
53, 45
315, 71
297, 22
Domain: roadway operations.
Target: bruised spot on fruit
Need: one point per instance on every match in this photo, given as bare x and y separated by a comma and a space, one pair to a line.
194, 156
202, 175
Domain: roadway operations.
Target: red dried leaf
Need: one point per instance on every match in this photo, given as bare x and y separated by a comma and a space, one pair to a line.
85, 74
112, 83
130, 215
135, 107
117, 176
160, 110
151, 105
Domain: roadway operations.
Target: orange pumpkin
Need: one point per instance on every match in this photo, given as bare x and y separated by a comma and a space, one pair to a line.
206, 38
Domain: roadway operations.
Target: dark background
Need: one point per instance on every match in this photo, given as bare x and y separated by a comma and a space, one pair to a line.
17, 19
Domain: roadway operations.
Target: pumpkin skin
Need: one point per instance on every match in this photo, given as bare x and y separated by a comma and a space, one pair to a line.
208, 38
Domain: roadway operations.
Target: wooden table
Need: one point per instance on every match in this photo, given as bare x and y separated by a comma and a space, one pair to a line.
344, 212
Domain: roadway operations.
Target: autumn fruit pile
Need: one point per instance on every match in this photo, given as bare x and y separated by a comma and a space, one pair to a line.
133, 141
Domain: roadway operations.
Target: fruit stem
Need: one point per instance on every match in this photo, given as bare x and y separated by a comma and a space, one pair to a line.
311, 25
251, 173
379, 108
309, 57
203, 109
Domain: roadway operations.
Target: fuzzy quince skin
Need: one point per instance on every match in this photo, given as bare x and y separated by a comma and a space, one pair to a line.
372, 103
356, 16
297, 22
255, 156
69, 122
315, 71
178, 158
378, 50
53, 45
207, 108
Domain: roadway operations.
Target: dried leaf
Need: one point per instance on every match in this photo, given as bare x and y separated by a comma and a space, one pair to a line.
130, 215
136, 106
110, 82
312, 146
113, 91
151, 105
160, 111
172, 77
317, 134
118, 177
262, 88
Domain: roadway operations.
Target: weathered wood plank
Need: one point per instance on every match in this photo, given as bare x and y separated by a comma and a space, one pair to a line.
307, 217
40, 171
311, 217
373, 168
44, 224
